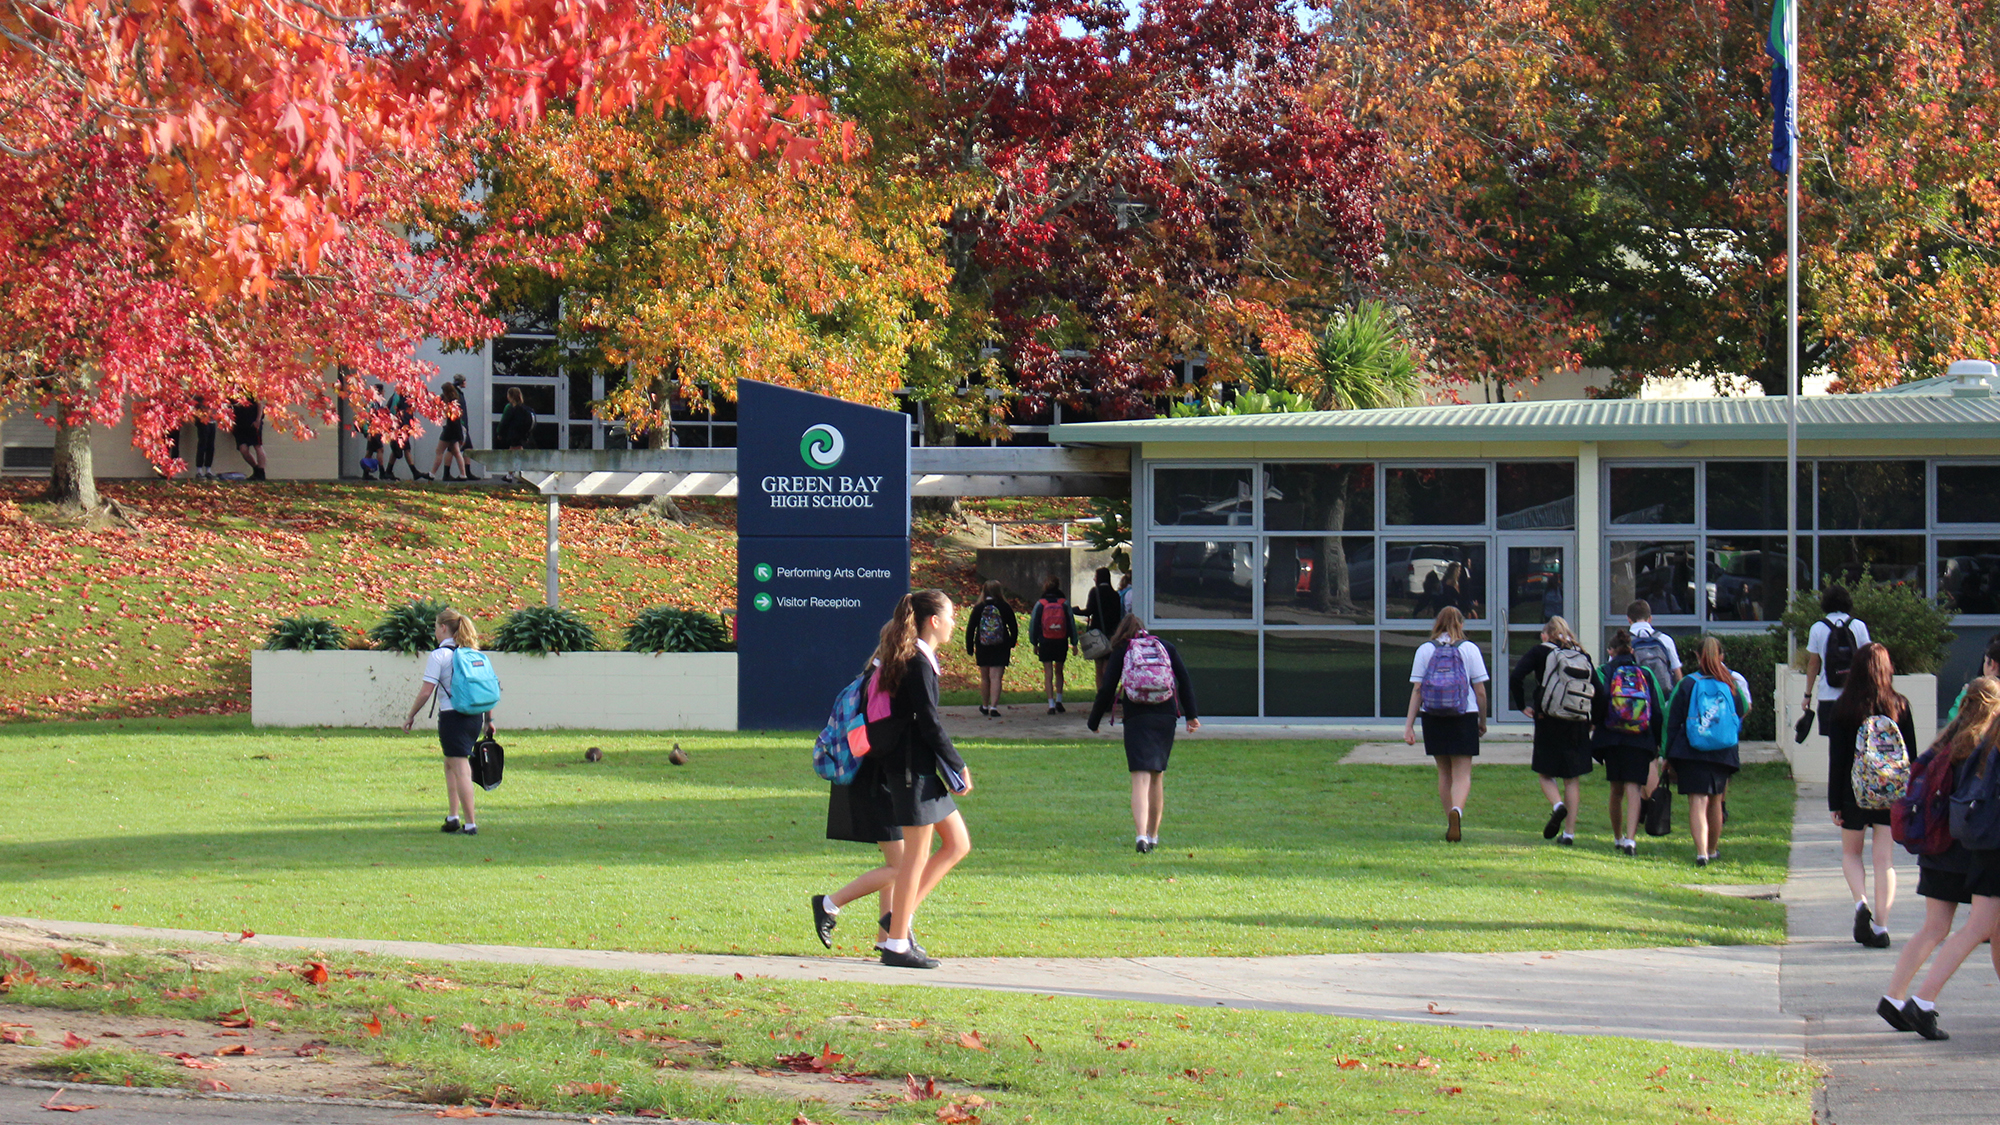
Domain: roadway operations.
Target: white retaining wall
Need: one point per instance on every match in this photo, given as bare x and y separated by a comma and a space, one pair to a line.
567, 691
1809, 761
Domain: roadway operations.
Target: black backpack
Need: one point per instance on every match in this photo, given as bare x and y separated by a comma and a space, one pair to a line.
1840, 650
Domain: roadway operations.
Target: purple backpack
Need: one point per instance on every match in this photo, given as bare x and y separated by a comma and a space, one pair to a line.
1148, 673
1445, 682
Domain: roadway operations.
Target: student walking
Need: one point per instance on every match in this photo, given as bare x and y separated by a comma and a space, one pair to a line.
1554, 684
1976, 825
402, 414
861, 812
1704, 724
1941, 878
1055, 639
1628, 717
1869, 695
457, 730
247, 427
990, 636
451, 440
516, 424
921, 770
1989, 667
1830, 649
1153, 684
1448, 689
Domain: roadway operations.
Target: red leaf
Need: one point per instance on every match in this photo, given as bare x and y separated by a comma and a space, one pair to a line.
1448, 1091
915, 1093
247, 935
74, 1042
1437, 1011
235, 1017
970, 1041
236, 1049
51, 1104
193, 1063
212, 1086
1351, 1064
373, 1027
75, 964
160, 1031
315, 973
188, 993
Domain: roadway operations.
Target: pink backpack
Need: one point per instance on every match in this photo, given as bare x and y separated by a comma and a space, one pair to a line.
1148, 672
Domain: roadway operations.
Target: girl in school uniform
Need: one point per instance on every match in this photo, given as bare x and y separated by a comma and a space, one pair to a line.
860, 812
1562, 746
1628, 717
1869, 691
1455, 718
1054, 627
1149, 727
457, 731
990, 636
1703, 775
921, 770
1941, 879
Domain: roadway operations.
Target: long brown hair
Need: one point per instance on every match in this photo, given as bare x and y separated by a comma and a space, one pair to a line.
1128, 628
1449, 623
1710, 660
898, 645
1870, 688
1974, 725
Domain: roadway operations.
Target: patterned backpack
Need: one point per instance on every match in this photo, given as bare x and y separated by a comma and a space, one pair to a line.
1148, 672
1631, 700
992, 625
841, 745
1445, 682
1881, 772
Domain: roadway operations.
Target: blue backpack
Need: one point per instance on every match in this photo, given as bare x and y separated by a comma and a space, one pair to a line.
1712, 722
1975, 802
843, 742
475, 687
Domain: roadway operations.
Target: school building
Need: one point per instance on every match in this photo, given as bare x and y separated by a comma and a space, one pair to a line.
1297, 560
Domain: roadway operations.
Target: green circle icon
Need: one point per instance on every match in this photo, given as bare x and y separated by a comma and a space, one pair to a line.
761, 601
762, 571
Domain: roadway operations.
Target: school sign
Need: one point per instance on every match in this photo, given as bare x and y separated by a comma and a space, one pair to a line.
822, 547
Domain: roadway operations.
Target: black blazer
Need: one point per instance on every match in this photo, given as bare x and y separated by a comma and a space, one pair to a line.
1103, 609
911, 740
1114, 667
972, 624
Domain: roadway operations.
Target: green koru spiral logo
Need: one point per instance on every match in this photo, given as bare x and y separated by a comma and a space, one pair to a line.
822, 446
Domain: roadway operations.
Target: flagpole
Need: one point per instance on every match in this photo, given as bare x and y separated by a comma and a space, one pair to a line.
1792, 315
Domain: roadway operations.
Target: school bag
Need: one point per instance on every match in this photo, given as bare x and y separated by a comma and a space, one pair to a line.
1148, 672
1921, 819
1975, 803
1650, 650
1569, 686
1881, 770
1055, 620
1840, 649
489, 762
475, 687
1712, 722
1445, 682
992, 625
1630, 700
843, 742
1656, 809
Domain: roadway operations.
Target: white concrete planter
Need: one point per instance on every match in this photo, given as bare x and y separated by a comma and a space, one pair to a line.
1809, 760
565, 691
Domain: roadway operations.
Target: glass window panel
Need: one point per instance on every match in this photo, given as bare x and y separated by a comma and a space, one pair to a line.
1886, 558
1652, 494
1419, 578
1320, 498
1435, 497
1202, 497
1661, 572
1870, 494
1203, 580
691, 437
537, 397
1320, 674
1969, 574
531, 316
1968, 493
1502, 687
1399, 652
1750, 495
1535, 584
1964, 659
580, 437
1319, 580
517, 358
1746, 576
1535, 494
548, 435
580, 395
1221, 667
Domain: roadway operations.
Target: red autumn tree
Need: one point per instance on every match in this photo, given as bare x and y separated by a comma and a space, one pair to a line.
1165, 180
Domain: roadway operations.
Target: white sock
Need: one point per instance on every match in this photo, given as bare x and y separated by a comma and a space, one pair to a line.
471, 824
828, 906
1567, 836
1924, 1005
896, 944
1892, 1000
1878, 928
1860, 904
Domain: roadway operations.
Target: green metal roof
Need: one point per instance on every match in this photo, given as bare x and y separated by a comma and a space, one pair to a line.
1821, 417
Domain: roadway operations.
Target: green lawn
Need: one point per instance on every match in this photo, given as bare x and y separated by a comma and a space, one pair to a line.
630, 1042
1269, 847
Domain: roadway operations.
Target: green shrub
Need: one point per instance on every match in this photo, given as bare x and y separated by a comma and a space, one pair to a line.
305, 634
409, 628
665, 628
541, 628
1914, 628
1756, 656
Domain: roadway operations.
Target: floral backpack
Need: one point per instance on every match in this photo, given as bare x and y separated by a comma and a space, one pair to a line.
1881, 772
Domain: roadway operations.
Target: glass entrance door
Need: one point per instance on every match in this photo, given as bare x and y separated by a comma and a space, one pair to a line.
1537, 582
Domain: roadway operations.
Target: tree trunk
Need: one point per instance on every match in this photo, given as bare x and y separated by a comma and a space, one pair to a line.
72, 474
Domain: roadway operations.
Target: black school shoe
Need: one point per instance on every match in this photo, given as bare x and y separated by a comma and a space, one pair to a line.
1922, 1022
1892, 1015
451, 824
913, 958
823, 922
1556, 818
1864, 929
883, 924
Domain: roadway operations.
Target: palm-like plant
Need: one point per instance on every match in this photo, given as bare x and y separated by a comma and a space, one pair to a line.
1360, 362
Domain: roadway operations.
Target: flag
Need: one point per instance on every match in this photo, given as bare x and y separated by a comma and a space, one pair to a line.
1782, 46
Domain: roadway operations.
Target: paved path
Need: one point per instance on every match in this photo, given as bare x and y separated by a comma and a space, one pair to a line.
23, 1102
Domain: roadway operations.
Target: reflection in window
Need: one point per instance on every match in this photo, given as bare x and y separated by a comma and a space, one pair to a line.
1222, 667
1319, 674
1434, 497
1746, 577
1661, 572
1202, 498
1319, 580
1535, 494
1885, 558
1969, 574
1652, 494
1750, 495
1419, 579
1399, 653
1534, 584
1320, 498
1870, 494
1968, 493
1203, 580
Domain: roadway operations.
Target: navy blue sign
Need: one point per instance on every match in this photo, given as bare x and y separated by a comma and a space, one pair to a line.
822, 547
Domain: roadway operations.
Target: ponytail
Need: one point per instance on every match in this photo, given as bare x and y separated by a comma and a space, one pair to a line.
1710, 660
463, 632
898, 643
